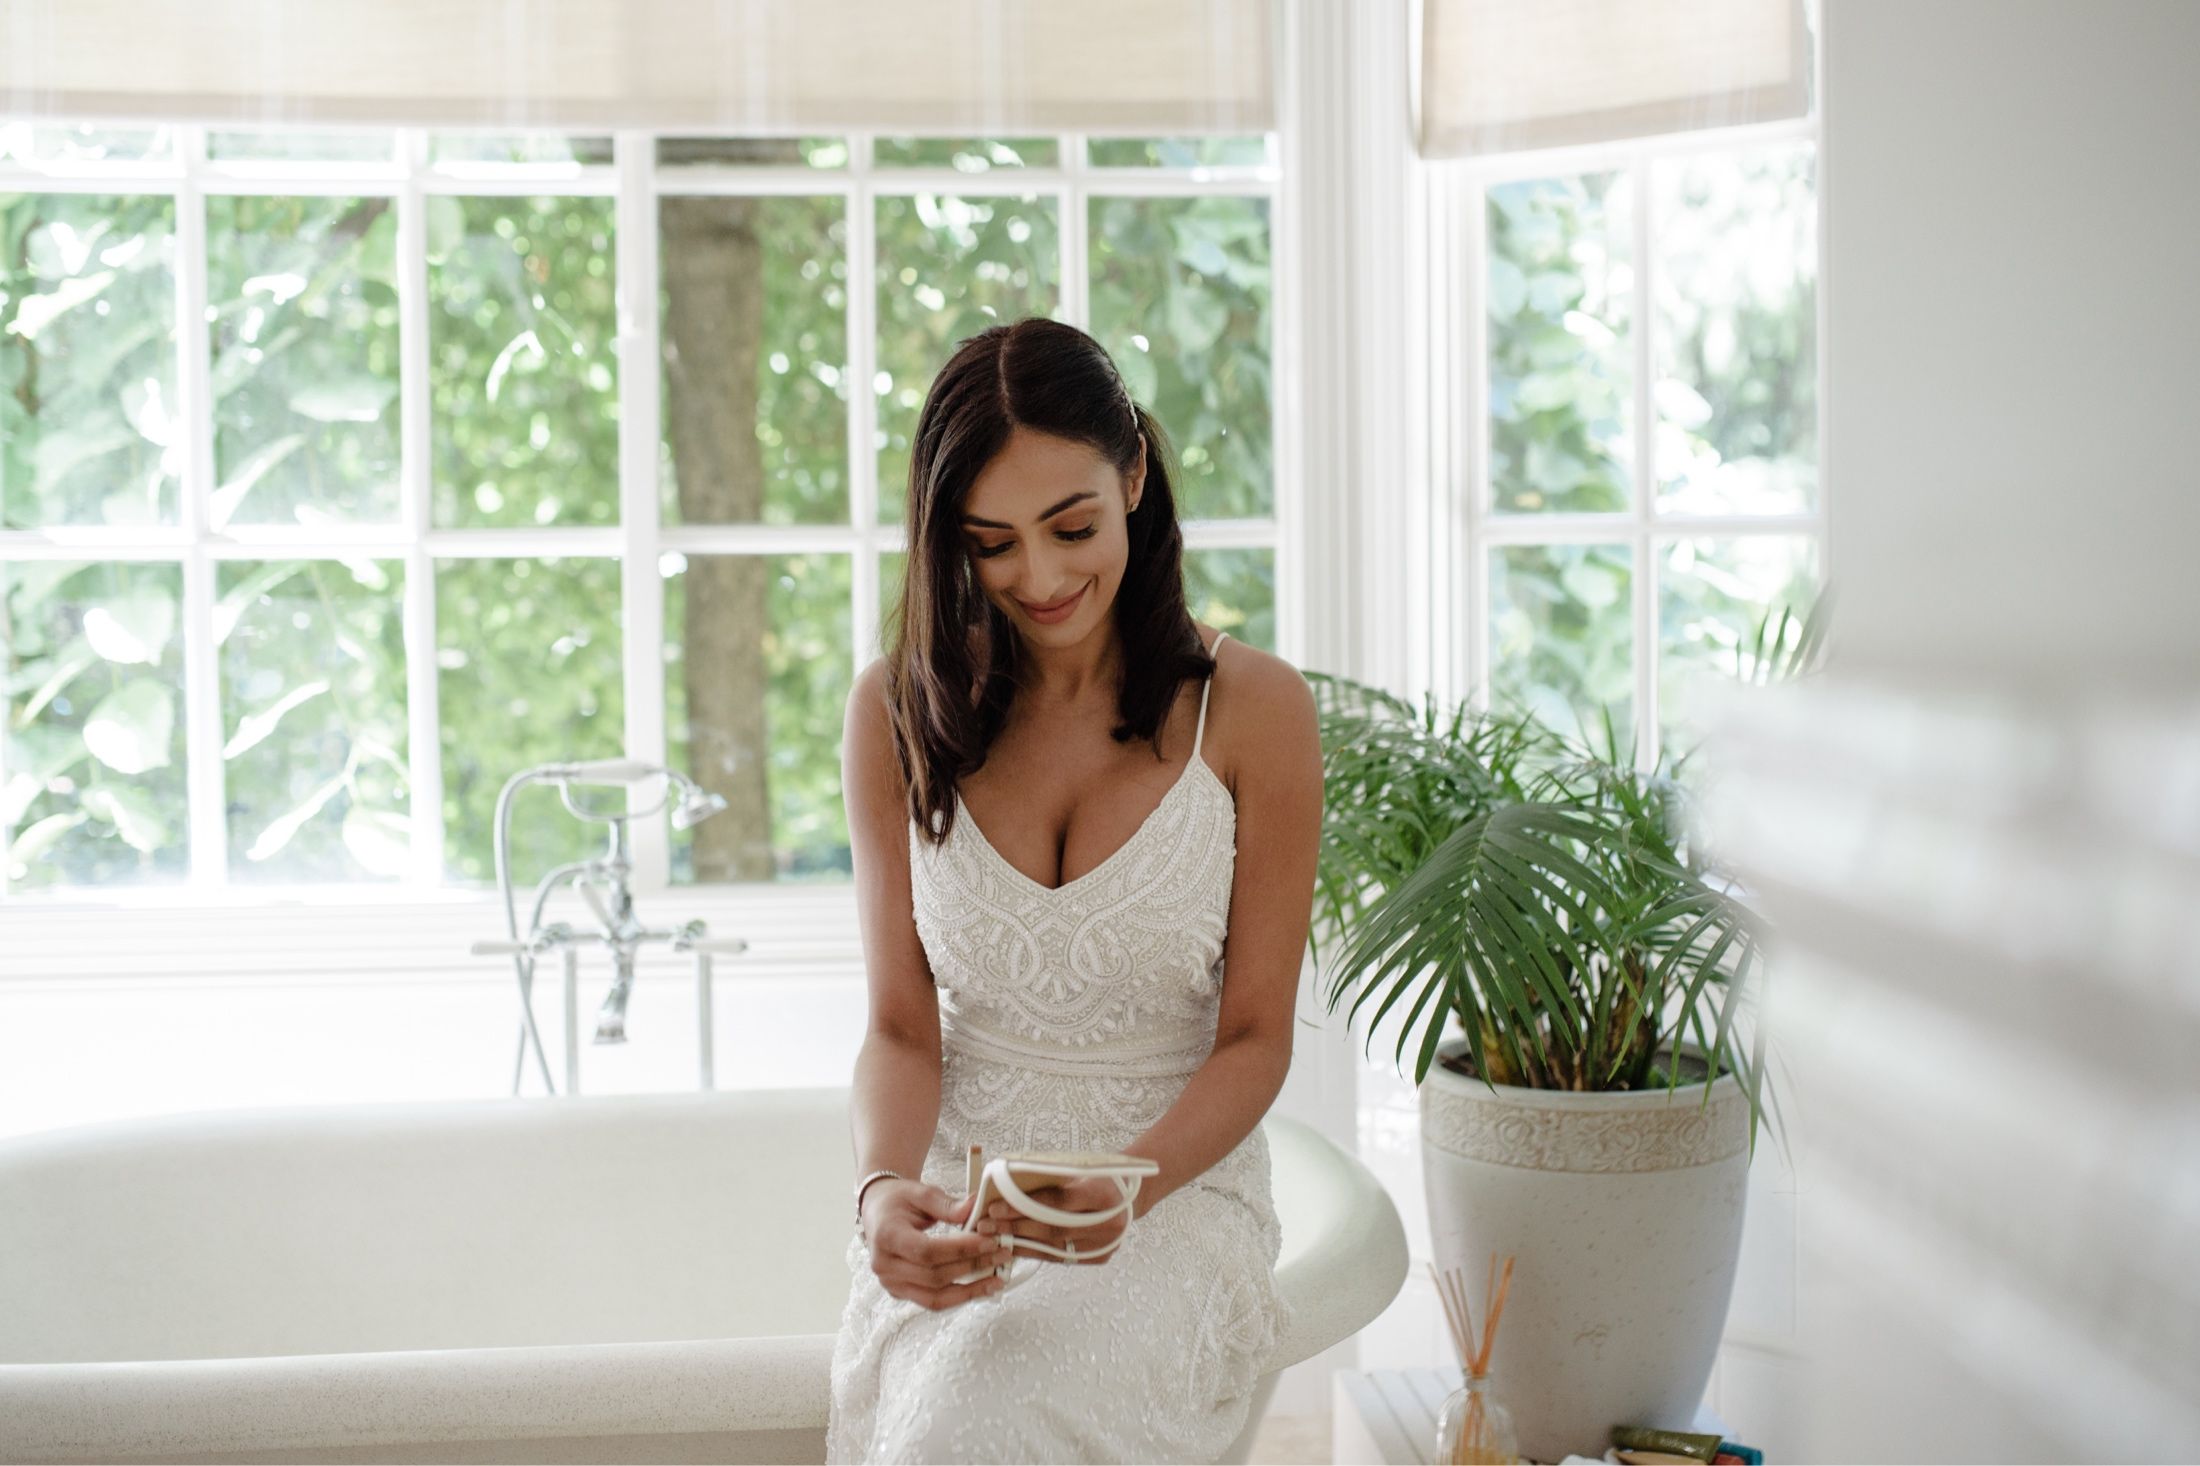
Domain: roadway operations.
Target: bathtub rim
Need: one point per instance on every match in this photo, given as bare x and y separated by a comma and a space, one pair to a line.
313, 1401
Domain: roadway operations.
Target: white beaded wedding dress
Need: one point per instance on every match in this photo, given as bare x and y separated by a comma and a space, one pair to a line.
1070, 1019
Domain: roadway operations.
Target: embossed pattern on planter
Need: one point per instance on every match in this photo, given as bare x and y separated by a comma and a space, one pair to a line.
1660, 1134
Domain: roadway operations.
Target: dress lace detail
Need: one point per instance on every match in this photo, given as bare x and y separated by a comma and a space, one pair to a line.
1071, 1017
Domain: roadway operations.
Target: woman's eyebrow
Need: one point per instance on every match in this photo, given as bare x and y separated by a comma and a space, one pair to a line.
996, 524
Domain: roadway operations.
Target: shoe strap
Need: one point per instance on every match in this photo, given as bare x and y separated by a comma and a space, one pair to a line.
1039, 1211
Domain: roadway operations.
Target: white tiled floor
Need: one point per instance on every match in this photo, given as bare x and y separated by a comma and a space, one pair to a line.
1302, 1440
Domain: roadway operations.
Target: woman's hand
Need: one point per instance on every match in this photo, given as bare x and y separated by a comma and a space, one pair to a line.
1079, 1193
912, 1263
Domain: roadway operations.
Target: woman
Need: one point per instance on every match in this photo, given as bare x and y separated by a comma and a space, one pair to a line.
1084, 862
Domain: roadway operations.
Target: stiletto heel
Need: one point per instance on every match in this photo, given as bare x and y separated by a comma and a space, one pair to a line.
1005, 1178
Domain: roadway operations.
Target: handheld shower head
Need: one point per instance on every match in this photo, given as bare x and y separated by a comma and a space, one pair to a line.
696, 805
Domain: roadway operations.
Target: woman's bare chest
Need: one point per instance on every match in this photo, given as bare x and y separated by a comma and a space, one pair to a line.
1057, 804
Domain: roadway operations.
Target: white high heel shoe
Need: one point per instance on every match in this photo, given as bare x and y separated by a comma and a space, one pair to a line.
1006, 1177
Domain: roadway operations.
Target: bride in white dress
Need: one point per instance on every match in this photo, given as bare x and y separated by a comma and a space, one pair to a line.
1085, 843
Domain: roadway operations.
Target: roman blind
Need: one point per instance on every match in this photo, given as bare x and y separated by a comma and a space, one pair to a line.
1512, 75
944, 66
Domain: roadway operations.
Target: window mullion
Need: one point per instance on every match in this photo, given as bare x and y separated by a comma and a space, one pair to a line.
1470, 338
423, 716
1822, 528
1075, 205
1443, 509
642, 586
1287, 328
206, 799
863, 484
1644, 580
1409, 521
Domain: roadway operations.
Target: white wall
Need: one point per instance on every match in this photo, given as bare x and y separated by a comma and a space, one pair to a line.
2013, 217
1979, 833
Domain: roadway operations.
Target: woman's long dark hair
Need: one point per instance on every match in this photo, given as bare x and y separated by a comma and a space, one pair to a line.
1052, 378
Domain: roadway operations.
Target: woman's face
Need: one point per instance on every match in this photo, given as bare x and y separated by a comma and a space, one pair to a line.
1044, 523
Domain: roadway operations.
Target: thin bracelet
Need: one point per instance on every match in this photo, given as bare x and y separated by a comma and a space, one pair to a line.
865, 1185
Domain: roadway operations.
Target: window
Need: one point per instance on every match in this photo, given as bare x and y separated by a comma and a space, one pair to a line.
322, 507
1641, 466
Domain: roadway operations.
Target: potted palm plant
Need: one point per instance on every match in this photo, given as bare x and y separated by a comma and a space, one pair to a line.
1569, 970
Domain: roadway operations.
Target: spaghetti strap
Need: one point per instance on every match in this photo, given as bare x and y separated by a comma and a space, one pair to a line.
1201, 731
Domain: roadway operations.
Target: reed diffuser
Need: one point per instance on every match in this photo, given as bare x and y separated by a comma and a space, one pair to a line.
1474, 1427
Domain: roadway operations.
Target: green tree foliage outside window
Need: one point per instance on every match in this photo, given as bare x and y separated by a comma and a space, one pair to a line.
1731, 360
524, 395
524, 408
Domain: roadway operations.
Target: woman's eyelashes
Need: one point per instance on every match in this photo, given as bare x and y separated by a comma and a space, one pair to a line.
987, 552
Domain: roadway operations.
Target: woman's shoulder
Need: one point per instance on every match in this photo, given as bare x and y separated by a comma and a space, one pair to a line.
867, 730
1260, 708
1253, 673
871, 694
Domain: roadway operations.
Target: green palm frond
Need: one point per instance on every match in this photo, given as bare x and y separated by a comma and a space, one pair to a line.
1787, 646
1546, 897
1488, 917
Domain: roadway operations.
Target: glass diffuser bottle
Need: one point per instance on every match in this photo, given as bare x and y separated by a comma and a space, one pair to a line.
1474, 1429
1473, 1426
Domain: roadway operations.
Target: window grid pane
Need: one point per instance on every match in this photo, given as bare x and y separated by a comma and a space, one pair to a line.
92, 742
90, 416
753, 302
949, 266
966, 155
521, 443
754, 714
1713, 595
1234, 591
302, 327
528, 661
1731, 357
1562, 636
1179, 297
1559, 290
1737, 317
314, 720
522, 298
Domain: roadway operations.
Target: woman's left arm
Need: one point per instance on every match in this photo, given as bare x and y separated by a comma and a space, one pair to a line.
1278, 756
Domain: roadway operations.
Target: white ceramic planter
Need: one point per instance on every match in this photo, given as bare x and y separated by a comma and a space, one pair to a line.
1623, 1211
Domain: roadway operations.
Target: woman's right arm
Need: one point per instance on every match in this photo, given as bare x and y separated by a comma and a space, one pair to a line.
894, 1101
896, 1104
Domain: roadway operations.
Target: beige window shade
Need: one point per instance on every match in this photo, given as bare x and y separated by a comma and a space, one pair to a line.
954, 66
1502, 76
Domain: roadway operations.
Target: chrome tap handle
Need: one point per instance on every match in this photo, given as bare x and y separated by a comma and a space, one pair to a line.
602, 883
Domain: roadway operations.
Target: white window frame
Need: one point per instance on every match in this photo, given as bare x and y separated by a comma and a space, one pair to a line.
633, 180
1467, 526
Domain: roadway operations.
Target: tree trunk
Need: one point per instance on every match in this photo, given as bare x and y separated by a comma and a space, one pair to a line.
714, 311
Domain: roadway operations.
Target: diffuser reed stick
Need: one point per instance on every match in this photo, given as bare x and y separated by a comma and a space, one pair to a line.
1485, 1434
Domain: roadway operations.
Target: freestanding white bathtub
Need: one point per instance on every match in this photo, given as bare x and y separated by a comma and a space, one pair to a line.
619, 1278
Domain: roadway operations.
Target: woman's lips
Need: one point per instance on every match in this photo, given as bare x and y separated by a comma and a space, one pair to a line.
1059, 612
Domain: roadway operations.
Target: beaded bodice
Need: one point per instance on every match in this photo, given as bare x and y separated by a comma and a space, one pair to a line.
1070, 1016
